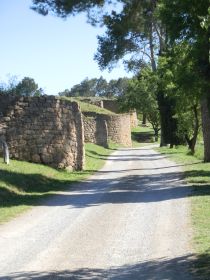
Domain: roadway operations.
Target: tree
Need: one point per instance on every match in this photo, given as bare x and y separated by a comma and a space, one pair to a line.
66, 92
185, 81
26, 87
146, 30
135, 29
9, 87
141, 95
87, 88
97, 87
117, 87
188, 21
84, 89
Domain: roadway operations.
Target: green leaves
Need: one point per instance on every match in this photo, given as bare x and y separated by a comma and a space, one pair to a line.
97, 87
25, 87
205, 20
65, 7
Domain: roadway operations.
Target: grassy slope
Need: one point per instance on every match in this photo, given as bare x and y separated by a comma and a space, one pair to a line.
87, 107
198, 175
23, 184
142, 136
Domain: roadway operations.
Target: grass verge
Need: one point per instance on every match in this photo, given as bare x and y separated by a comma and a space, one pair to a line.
142, 136
197, 174
23, 184
87, 107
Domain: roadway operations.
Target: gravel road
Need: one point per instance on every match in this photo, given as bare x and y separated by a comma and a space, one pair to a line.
131, 220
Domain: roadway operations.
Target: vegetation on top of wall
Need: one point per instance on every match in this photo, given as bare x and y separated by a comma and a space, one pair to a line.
87, 107
95, 98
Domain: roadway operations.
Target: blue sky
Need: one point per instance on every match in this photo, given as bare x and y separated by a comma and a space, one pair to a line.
56, 53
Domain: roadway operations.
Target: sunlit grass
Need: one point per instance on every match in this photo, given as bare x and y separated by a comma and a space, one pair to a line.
23, 184
197, 174
87, 107
142, 135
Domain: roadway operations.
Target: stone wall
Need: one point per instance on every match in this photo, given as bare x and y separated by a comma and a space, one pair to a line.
134, 119
93, 101
119, 129
118, 126
95, 130
113, 106
43, 130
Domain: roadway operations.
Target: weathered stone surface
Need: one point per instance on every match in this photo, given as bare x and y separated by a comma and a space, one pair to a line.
113, 106
118, 128
134, 119
43, 130
95, 130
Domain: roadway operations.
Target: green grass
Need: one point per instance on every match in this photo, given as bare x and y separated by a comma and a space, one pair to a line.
142, 136
197, 174
143, 129
87, 107
23, 184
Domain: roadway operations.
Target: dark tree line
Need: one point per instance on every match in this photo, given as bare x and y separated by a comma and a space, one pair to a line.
98, 87
26, 87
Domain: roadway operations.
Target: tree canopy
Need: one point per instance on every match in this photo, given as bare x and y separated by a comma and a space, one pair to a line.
26, 87
151, 33
97, 87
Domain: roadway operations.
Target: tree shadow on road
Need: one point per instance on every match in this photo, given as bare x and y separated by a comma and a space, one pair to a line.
128, 157
97, 191
179, 268
130, 189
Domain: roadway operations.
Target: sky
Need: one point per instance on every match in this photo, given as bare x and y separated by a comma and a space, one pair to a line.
56, 53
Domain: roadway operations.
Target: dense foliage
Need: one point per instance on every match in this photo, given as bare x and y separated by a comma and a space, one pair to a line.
172, 37
97, 88
25, 87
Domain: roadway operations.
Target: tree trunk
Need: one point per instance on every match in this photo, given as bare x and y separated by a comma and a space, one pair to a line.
163, 110
205, 116
144, 119
192, 142
5, 151
204, 65
156, 134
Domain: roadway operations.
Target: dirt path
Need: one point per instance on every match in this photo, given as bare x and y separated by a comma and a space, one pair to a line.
129, 221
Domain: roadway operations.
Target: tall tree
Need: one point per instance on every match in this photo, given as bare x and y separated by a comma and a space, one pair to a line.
132, 29
28, 87
141, 95
188, 21
97, 87
25, 87
146, 30
185, 86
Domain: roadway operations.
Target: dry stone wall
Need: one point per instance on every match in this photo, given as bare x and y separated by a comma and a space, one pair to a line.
95, 130
113, 106
133, 119
118, 128
43, 130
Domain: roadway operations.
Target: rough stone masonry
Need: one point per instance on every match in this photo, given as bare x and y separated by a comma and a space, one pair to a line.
43, 130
